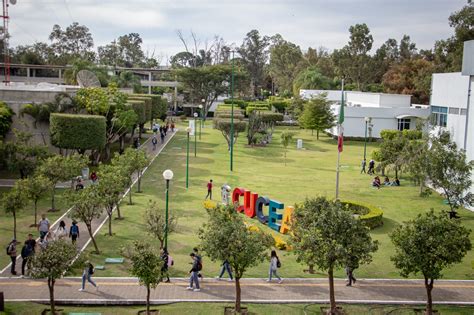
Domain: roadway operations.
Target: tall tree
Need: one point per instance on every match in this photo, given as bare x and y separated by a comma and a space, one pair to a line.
126, 51
254, 54
14, 201
35, 188
407, 48
284, 60
155, 222
73, 42
316, 234
317, 115
427, 245
51, 263
225, 237
311, 79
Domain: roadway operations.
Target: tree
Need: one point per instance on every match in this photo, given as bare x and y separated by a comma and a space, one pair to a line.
6, 119
111, 186
414, 160
146, 266
155, 222
255, 126
317, 115
286, 138
126, 51
225, 126
51, 263
14, 201
225, 237
450, 171
254, 54
407, 48
311, 79
73, 42
427, 245
87, 206
35, 188
284, 60
60, 168
317, 226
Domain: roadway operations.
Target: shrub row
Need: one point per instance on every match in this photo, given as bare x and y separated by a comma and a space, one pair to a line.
147, 103
159, 105
241, 103
370, 215
139, 107
411, 134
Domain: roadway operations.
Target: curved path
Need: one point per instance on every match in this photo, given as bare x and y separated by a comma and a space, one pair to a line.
84, 239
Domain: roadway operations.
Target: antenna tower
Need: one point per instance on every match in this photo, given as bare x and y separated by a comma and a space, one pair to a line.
4, 35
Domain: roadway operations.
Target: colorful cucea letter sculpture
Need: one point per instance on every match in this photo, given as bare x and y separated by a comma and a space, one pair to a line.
253, 206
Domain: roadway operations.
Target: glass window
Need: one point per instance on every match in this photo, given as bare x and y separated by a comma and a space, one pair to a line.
403, 123
439, 116
463, 111
454, 110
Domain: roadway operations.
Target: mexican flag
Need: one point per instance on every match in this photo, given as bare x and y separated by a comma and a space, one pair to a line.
340, 128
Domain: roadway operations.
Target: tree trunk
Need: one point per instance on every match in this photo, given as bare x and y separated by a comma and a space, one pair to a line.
89, 229
237, 295
317, 134
312, 131
36, 212
311, 269
107, 151
162, 242
396, 172
53, 208
429, 302
118, 211
51, 295
148, 299
421, 187
109, 213
122, 144
130, 196
285, 157
332, 297
14, 224
139, 181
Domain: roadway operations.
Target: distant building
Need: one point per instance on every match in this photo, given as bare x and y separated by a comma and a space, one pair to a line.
381, 110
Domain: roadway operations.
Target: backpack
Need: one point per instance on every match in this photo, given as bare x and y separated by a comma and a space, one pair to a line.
170, 261
278, 263
199, 265
26, 251
8, 249
91, 269
74, 230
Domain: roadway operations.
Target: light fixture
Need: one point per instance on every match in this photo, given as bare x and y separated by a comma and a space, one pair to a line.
168, 174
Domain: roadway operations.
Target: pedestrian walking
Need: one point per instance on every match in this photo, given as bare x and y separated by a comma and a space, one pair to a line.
172, 126
165, 130
61, 231
166, 263
199, 258
43, 226
371, 167
162, 136
209, 190
11, 251
351, 265
87, 275
194, 279
93, 177
27, 252
225, 267
74, 232
274, 265
154, 142
364, 162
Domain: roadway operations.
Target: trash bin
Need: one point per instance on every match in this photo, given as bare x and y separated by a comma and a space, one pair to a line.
299, 144
85, 173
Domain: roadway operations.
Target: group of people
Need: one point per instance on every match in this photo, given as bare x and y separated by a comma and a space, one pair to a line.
371, 169
163, 130
377, 183
46, 236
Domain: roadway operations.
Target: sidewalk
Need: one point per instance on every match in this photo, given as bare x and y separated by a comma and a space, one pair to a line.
84, 238
127, 291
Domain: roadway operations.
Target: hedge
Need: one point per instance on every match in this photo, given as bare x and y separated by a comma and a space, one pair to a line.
269, 116
241, 103
139, 107
259, 106
370, 215
148, 105
79, 132
410, 134
224, 125
6, 118
159, 105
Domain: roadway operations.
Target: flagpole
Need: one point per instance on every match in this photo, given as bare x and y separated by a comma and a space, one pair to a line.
339, 126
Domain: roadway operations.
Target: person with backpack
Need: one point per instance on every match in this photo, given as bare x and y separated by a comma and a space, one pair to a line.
43, 226
11, 251
154, 141
371, 167
87, 274
274, 265
74, 232
167, 260
225, 267
61, 231
194, 279
27, 252
199, 258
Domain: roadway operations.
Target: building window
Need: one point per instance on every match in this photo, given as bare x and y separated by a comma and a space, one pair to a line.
463, 111
454, 110
439, 116
403, 123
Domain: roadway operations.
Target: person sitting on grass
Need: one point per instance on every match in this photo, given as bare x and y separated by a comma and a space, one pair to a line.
376, 182
396, 182
386, 181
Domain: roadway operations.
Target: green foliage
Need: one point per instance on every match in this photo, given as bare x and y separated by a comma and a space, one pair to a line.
427, 245
14, 201
224, 125
6, 118
286, 138
159, 105
317, 115
371, 216
241, 103
39, 112
311, 79
259, 106
155, 222
147, 102
94, 100
138, 107
35, 188
225, 237
79, 132
284, 60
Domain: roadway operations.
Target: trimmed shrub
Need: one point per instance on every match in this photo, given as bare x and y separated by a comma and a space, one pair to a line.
269, 116
148, 105
224, 125
159, 105
412, 134
79, 132
241, 103
370, 215
139, 107
6, 118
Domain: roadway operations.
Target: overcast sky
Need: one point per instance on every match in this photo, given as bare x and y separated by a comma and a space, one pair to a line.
307, 23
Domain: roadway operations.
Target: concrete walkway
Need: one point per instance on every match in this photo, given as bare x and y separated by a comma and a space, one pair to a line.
84, 239
128, 291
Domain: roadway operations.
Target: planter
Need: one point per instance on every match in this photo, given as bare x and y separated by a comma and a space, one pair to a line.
230, 310
152, 312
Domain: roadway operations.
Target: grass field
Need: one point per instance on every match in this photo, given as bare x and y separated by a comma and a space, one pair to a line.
218, 308
309, 172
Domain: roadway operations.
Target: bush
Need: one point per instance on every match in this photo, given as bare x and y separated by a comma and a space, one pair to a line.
6, 118
370, 215
280, 243
257, 106
139, 107
280, 104
269, 116
241, 103
159, 105
147, 101
410, 134
209, 204
79, 132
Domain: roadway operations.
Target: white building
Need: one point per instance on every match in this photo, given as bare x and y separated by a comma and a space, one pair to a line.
383, 111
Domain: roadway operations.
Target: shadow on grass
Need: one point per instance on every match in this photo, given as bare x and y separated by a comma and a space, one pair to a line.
388, 226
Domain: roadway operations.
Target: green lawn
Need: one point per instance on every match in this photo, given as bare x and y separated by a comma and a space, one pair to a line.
24, 219
218, 308
310, 172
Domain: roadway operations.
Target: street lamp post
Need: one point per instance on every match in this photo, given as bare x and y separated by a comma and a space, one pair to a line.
365, 137
188, 130
232, 118
167, 175
195, 134
200, 120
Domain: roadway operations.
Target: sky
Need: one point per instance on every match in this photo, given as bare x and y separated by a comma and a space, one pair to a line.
307, 23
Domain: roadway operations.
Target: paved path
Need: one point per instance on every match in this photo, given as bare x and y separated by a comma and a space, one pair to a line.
128, 291
84, 239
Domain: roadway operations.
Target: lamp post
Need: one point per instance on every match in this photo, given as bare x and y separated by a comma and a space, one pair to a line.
200, 120
167, 175
367, 119
232, 118
195, 134
188, 130
203, 101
